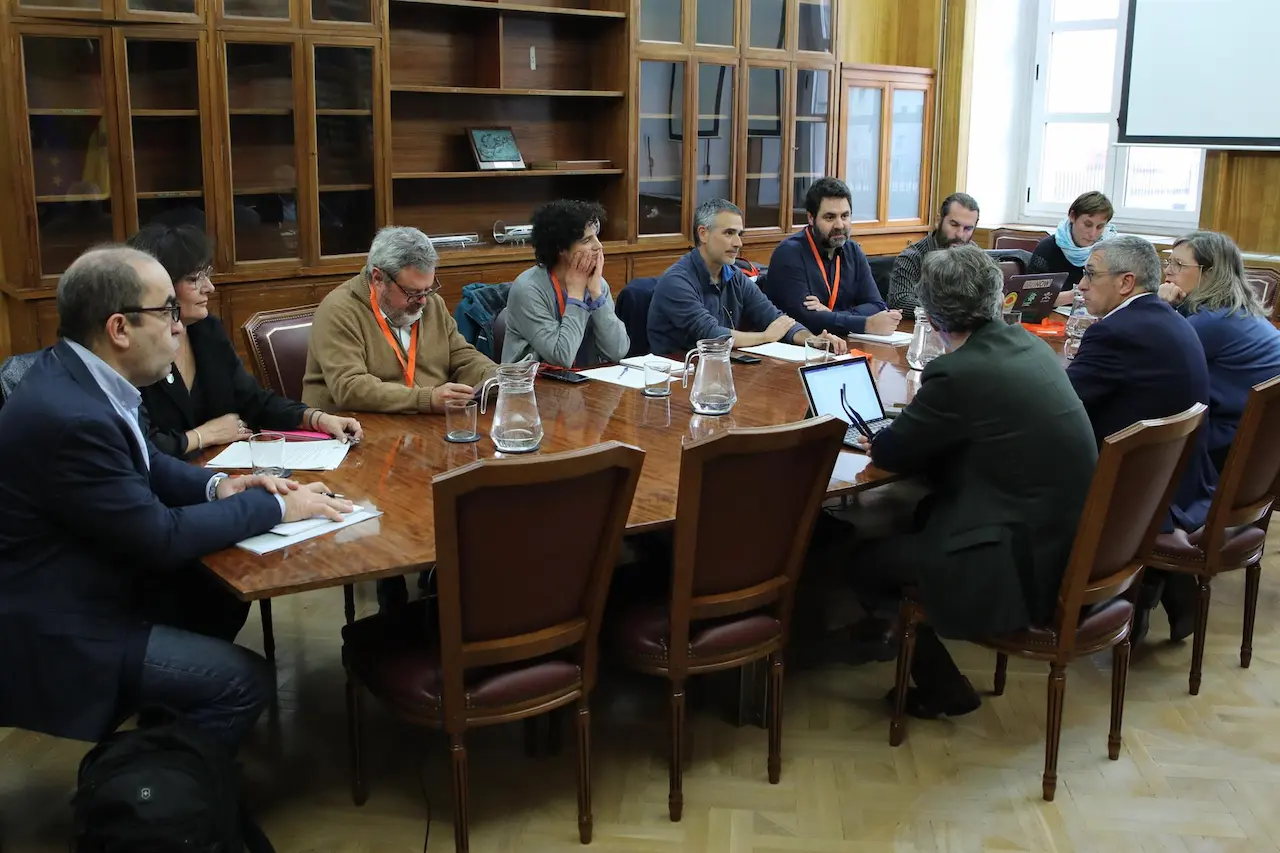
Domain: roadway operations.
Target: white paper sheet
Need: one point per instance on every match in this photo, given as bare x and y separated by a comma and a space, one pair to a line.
783, 352
298, 455
267, 542
677, 367
618, 374
897, 339
849, 464
1064, 310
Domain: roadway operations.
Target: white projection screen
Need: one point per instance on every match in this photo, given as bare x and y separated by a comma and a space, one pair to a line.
1202, 72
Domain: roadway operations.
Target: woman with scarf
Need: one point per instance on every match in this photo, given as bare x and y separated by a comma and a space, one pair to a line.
1088, 222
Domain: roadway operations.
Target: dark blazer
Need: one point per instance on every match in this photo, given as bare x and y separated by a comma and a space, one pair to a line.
1007, 446
222, 386
1145, 361
82, 522
1049, 258
794, 274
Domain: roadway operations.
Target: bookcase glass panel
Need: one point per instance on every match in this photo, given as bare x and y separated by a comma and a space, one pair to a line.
272, 9
660, 20
862, 150
815, 26
264, 179
813, 117
345, 148
714, 175
181, 7
84, 5
661, 147
347, 11
906, 153
164, 117
769, 24
764, 147
716, 22
70, 146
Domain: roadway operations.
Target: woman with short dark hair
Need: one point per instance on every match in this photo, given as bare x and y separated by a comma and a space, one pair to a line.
208, 398
1087, 223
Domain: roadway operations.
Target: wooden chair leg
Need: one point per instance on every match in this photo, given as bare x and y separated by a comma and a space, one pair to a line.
583, 725
349, 602
906, 650
1002, 672
675, 792
1119, 675
1202, 627
775, 717
1053, 728
458, 758
1252, 576
268, 630
355, 743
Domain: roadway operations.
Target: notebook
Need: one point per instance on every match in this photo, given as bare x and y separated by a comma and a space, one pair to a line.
1033, 295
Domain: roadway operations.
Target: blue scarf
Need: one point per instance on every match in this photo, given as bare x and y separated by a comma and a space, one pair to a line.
1076, 256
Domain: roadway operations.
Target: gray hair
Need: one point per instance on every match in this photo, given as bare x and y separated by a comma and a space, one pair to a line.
707, 212
961, 288
1223, 281
397, 247
1127, 253
101, 282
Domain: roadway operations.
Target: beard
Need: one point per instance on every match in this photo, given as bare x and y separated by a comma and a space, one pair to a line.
945, 242
833, 239
401, 319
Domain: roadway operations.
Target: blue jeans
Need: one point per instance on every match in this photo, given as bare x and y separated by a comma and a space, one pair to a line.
217, 685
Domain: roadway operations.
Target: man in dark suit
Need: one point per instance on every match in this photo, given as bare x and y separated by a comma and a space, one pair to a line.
993, 538
1142, 360
103, 605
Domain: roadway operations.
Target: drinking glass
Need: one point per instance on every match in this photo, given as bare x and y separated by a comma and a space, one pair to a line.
657, 379
817, 350
460, 421
266, 452
1013, 318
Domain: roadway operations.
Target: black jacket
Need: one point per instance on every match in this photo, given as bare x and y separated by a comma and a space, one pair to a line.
222, 385
1007, 445
1049, 258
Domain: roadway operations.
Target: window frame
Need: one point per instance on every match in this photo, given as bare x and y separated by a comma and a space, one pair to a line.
1032, 210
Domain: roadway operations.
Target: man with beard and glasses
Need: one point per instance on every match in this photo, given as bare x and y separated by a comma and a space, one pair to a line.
384, 341
820, 275
956, 222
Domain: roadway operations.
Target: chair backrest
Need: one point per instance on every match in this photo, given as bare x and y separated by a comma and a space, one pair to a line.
881, 270
1015, 241
1008, 269
732, 556
525, 550
499, 333
1265, 282
1248, 486
277, 342
632, 308
13, 369
1138, 470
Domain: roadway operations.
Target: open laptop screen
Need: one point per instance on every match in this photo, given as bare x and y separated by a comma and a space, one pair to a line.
822, 384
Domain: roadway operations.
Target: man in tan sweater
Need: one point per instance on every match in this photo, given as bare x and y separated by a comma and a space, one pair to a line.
384, 341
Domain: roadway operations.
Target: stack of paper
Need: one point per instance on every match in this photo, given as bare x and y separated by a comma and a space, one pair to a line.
896, 339
284, 535
298, 456
618, 374
783, 352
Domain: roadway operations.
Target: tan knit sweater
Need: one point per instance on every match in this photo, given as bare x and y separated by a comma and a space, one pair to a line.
351, 366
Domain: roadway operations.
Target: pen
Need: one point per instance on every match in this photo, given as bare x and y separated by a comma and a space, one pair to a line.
332, 495
625, 368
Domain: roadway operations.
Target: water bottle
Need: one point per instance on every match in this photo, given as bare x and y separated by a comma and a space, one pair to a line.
1079, 321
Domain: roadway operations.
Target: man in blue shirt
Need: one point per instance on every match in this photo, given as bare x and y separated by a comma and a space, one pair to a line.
703, 295
820, 275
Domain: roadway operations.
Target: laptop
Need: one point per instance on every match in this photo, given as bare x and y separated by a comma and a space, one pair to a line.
1033, 295
840, 388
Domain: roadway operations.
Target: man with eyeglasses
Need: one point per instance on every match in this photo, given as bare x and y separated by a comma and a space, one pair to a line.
1141, 360
104, 607
385, 342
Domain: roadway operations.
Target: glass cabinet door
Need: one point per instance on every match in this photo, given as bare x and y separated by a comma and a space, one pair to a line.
257, 11
713, 169
814, 26
65, 8
345, 146
906, 153
662, 132
813, 126
162, 10
264, 150
863, 107
767, 24
69, 123
661, 20
764, 147
342, 11
163, 145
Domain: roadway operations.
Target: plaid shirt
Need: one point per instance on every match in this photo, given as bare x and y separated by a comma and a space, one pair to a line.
904, 281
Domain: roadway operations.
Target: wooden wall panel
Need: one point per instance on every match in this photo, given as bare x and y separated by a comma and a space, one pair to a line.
891, 32
954, 87
1240, 198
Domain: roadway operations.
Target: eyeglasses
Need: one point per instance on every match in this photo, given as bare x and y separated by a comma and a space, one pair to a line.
200, 275
1178, 266
412, 295
173, 309
1092, 274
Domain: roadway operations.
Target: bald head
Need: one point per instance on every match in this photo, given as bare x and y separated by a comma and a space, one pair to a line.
99, 283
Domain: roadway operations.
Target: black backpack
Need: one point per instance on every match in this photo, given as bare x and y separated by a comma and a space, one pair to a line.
169, 788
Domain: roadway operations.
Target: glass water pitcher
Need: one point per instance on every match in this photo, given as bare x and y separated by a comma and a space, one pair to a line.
713, 392
517, 426
925, 343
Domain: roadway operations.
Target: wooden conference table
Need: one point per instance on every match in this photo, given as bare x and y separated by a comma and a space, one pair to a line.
393, 466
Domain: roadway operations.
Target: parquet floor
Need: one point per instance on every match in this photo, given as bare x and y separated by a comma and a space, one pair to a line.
1196, 773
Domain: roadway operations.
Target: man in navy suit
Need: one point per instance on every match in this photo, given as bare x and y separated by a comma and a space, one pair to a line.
101, 605
1142, 360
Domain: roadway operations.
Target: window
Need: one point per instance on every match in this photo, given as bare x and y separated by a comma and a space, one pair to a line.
1072, 136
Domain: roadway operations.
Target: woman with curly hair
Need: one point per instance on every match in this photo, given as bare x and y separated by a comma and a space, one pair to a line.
559, 311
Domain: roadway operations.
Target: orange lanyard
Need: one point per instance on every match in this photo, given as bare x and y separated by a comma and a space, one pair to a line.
555, 282
822, 268
410, 366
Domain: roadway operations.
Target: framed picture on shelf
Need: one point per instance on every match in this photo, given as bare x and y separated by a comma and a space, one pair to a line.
494, 148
